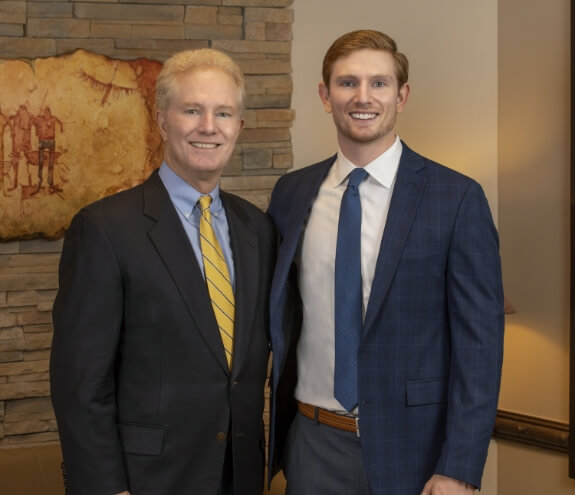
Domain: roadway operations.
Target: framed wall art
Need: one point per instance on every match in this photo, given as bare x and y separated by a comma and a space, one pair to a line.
74, 128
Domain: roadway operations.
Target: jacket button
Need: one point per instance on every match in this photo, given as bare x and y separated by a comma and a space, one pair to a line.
221, 436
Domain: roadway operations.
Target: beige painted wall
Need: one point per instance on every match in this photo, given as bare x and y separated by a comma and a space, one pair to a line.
534, 230
490, 98
452, 48
534, 203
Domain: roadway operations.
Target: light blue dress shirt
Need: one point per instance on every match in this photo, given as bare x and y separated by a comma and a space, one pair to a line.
185, 199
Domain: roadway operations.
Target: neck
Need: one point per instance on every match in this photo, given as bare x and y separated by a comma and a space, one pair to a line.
360, 154
203, 186
204, 183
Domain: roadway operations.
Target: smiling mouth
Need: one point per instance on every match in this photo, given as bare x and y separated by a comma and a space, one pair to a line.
363, 115
205, 146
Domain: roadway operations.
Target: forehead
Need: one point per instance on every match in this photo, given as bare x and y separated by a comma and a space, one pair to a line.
206, 86
366, 62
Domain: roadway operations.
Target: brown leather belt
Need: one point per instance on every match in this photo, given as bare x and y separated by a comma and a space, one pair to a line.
328, 418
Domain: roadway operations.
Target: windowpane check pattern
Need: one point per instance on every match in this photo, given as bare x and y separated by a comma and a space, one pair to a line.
217, 278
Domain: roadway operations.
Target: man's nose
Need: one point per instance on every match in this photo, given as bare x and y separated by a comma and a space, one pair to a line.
363, 94
207, 122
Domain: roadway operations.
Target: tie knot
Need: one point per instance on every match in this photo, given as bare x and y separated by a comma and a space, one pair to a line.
356, 176
205, 202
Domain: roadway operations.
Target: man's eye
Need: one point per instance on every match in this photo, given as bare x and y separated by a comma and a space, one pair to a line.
192, 111
224, 114
347, 84
379, 84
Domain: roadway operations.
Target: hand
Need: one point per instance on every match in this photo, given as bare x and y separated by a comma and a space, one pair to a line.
123, 493
443, 485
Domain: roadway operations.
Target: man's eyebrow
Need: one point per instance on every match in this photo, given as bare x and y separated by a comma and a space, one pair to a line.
354, 76
202, 106
226, 107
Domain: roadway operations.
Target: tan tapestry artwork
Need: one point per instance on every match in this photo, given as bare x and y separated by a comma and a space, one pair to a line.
74, 128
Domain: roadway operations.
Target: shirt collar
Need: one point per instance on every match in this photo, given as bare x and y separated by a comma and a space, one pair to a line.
184, 196
383, 168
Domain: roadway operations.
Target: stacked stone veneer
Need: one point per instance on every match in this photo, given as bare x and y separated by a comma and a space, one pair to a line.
256, 33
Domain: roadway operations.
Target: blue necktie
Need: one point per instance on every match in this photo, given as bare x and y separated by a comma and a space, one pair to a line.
348, 293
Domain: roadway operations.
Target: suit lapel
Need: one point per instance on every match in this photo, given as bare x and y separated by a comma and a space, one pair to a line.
307, 190
246, 256
173, 246
407, 193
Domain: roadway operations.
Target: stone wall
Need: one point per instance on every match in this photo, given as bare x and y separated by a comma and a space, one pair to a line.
256, 33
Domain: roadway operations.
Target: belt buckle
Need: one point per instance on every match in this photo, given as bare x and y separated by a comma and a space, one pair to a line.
357, 426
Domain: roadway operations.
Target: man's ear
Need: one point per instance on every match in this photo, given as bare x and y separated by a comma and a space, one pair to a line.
161, 121
402, 96
323, 92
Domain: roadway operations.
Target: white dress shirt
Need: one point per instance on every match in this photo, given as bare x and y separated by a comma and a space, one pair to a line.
316, 346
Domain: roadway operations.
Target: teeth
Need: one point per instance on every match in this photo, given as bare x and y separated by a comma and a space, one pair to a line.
205, 145
363, 116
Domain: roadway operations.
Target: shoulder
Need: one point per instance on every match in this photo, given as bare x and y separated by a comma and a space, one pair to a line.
436, 173
248, 212
299, 183
296, 176
115, 206
122, 208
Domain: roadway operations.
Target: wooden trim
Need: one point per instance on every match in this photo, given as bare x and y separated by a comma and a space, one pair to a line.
532, 430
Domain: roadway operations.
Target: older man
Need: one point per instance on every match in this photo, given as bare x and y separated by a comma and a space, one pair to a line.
161, 320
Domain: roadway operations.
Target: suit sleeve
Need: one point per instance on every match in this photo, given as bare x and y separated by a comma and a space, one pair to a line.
475, 307
87, 319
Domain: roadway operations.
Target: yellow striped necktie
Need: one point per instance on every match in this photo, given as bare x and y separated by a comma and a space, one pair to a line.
217, 278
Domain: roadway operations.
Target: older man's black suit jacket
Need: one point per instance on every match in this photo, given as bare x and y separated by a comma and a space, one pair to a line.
140, 385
